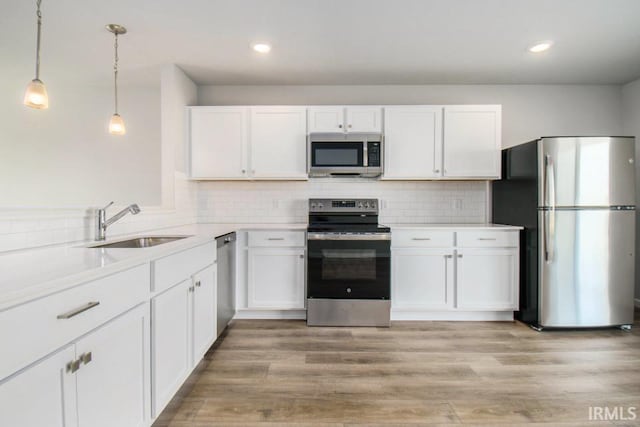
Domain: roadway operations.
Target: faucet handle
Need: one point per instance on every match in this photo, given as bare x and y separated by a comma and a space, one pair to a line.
107, 206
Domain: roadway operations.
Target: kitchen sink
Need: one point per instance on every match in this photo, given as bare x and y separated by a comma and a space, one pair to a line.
140, 242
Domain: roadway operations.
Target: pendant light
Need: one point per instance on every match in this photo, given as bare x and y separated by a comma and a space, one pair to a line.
36, 93
116, 124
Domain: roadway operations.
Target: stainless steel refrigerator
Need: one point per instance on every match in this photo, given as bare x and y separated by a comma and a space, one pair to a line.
575, 196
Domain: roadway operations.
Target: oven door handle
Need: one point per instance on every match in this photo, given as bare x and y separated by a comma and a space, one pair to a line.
337, 236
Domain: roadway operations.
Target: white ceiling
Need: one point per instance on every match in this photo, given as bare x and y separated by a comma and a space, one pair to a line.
330, 41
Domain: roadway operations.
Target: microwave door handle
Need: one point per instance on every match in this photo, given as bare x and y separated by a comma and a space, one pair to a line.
365, 156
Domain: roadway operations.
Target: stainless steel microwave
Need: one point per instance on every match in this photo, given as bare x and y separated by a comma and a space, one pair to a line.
345, 154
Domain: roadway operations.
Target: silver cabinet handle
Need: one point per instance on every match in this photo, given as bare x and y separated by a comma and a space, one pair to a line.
86, 358
487, 238
73, 366
350, 126
340, 126
421, 238
436, 170
275, 238
448, 256
244, 171
76, 311
459, 255
301, 256
198, 284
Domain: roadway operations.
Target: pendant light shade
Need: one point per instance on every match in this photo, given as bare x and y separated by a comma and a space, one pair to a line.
36, 93
116, 124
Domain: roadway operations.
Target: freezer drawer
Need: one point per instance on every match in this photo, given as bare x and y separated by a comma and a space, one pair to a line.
586, 267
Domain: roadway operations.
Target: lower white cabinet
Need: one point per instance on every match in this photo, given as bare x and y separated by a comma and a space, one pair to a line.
276, 278
454, 271
204, 311
100, 380
44, 394
485, 279
184, 327
422, 278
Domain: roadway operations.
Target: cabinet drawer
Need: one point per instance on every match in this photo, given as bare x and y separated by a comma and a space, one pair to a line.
487, 239
276, 238
173, 269
37, 328
422, 238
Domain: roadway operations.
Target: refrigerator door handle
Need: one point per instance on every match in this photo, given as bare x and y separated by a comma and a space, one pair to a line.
550, 212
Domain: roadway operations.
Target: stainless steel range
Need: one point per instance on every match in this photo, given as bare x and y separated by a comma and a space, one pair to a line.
348, 264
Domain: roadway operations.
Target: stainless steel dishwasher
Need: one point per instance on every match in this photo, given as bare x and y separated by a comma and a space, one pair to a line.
226, 279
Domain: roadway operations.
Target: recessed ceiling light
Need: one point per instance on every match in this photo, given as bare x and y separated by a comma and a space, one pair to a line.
261, 47
540, 46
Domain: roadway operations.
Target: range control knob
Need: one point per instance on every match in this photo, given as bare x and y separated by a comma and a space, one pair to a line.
348, 290
313, 205
360, 205
319, 205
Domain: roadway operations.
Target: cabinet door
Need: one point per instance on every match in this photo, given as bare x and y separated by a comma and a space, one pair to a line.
279, 142
422, 279
487, 279
326, 119
114, 383
276, 278
204, 311
170, 341
218, 142
472, 141
42, 395
364, 119
413, 142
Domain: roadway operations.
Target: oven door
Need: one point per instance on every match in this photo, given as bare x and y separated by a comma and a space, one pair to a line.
354, 266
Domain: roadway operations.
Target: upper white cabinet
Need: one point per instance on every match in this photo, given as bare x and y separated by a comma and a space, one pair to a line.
472, 141
238, 143
413, 142
278, 143
218, 142
345, 119
442, 142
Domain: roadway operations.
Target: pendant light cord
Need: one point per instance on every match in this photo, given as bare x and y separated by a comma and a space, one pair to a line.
39, 15
115, 72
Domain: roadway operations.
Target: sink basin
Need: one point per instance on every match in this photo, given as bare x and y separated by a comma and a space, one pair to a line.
140, 242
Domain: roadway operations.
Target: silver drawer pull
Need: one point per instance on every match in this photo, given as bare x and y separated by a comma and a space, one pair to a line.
73, 366
487, 238
76, 311
448, 256
86, 358
275, 238
198, 284
421, 238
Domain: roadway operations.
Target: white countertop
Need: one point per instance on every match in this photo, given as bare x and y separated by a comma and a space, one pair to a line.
493, 227
35, 273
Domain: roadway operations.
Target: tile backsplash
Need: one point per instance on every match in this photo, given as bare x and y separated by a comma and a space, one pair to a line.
286, 202
254, 203
23, 229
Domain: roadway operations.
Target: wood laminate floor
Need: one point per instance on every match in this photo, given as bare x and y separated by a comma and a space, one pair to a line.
272, 373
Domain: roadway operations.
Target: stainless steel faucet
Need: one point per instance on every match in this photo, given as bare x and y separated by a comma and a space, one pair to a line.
102, 223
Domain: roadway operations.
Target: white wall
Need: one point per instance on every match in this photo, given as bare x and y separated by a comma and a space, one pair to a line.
631, 126
64, 157
529, 111
52, 224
